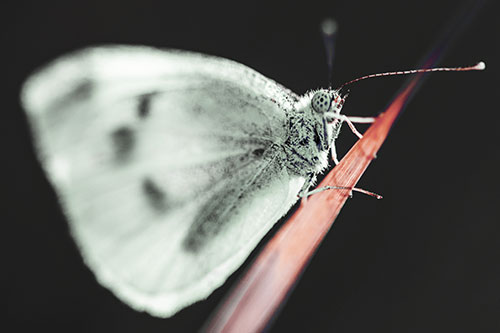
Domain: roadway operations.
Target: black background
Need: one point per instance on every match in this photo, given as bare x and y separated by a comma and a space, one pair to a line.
424, 259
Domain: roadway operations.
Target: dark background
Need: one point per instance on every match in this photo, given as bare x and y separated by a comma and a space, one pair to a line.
423, 259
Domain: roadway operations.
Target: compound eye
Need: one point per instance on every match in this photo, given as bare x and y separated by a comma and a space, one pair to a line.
321, 102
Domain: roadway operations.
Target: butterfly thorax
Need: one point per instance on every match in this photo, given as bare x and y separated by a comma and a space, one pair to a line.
308, 142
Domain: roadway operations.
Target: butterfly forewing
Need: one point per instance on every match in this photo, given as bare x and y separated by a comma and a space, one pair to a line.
167, 165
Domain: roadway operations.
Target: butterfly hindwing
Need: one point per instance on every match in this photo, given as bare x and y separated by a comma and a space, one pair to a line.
166, 163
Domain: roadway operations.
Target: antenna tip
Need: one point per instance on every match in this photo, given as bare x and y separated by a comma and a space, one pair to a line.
480, 66
329, 26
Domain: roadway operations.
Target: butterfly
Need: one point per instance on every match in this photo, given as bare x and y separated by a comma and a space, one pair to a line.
170, 166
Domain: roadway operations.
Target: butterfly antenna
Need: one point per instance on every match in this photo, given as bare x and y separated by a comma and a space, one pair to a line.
477, 67
329, 29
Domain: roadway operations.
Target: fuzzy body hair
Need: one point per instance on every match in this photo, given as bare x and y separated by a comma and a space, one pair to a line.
310, 138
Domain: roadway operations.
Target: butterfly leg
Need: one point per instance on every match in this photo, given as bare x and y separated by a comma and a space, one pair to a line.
351, 120
334, 154
324, 188
307, 184
360, 190
353, 129
360, 120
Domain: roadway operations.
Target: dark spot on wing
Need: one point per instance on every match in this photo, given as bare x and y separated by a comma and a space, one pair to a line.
155, 195
123, 141
144, 105
83, 90
258, 152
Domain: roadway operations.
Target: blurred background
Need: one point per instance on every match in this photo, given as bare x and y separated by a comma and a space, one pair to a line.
423, 259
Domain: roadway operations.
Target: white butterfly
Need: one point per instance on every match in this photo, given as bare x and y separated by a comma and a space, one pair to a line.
171, 166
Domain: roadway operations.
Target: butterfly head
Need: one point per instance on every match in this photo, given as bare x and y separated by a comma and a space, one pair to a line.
325, 107
327, 101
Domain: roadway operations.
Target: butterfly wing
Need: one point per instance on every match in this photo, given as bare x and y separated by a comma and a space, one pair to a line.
167, 164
